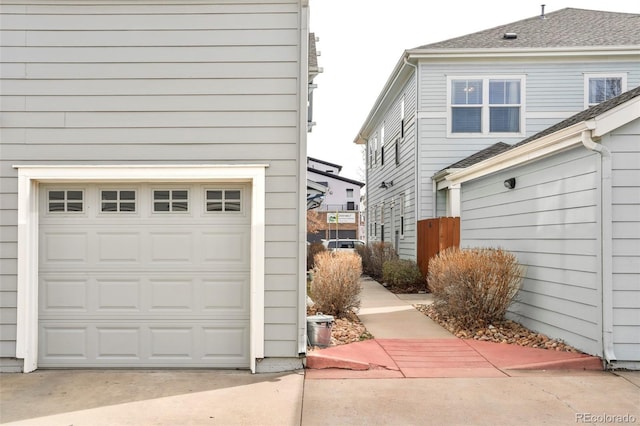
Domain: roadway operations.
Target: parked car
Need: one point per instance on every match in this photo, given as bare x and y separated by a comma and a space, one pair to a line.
342, 244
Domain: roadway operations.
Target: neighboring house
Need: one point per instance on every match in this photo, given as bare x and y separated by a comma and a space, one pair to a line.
340, 207
566, 201
448, 100
153, 166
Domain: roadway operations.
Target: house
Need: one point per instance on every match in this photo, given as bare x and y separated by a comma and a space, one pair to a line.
448, 100
339, 209
566, 201
153, 166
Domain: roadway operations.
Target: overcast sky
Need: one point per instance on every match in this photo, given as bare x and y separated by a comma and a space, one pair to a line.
362, 40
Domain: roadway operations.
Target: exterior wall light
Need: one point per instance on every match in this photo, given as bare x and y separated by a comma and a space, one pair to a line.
510, 183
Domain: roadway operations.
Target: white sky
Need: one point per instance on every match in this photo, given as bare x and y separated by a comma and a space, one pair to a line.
362, 40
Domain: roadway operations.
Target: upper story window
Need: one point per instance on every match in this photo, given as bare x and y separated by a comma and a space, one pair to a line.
65, 201
349, 192
602, 87
485, 105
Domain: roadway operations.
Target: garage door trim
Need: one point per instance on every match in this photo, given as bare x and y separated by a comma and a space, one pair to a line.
29, 178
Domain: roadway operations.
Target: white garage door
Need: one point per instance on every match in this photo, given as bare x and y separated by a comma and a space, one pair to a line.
144, 275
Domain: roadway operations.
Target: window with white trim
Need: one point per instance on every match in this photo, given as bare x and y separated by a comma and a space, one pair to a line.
485, 105
170, 200
602, 87
223, 200
65, 201
118, 201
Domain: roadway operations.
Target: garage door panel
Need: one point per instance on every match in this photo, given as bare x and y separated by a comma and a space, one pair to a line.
64, 342
109, 296
64, 248
171, 247
144, 289
159, 344
225, 295
228, 246
119, 247
171, 295
64, 295
171, 342
118, 342
225, 342
118, 295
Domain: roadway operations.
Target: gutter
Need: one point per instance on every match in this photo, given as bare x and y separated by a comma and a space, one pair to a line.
606, 240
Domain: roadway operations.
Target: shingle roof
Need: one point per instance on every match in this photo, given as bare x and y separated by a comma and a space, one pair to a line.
568, 27
488, 152
334, 176
585, 115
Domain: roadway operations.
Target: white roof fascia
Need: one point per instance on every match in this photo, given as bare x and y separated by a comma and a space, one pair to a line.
525, 52
549, 144
542, 147
616, 117
388, 92
316, 186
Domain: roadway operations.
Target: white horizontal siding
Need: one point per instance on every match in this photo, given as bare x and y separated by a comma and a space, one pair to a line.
402, 175
100, 82
554, 91
550, 221
625, 178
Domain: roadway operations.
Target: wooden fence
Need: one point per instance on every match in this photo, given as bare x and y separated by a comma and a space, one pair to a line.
435, 235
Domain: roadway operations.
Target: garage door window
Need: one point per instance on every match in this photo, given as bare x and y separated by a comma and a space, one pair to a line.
170, 200
223, 200
65, 201
118, 201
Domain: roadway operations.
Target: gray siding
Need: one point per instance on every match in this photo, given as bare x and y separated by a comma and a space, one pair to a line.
205, 82
551, 222
402, 174
625, 150
554, 91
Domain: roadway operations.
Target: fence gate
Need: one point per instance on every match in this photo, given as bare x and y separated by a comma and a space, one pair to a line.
435, 235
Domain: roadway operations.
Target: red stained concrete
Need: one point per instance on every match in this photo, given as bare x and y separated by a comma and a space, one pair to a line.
428, 358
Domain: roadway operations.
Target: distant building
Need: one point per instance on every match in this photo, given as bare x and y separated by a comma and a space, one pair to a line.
340, 207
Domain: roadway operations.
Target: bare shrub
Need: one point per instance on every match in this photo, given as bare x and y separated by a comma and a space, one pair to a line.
474, 286
373, 258
312, 250
403, 275
335, 289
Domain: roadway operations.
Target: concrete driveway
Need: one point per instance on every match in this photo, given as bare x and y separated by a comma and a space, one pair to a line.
193, 397
146, 397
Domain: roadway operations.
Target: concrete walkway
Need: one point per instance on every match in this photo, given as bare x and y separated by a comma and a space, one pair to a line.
409, 344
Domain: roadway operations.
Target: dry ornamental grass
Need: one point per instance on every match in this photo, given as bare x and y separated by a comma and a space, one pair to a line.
335, 288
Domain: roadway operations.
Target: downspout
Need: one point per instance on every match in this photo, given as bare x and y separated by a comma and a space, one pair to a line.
416, 168
606, 241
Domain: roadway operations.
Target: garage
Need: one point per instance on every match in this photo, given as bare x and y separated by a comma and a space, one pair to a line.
153, 274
